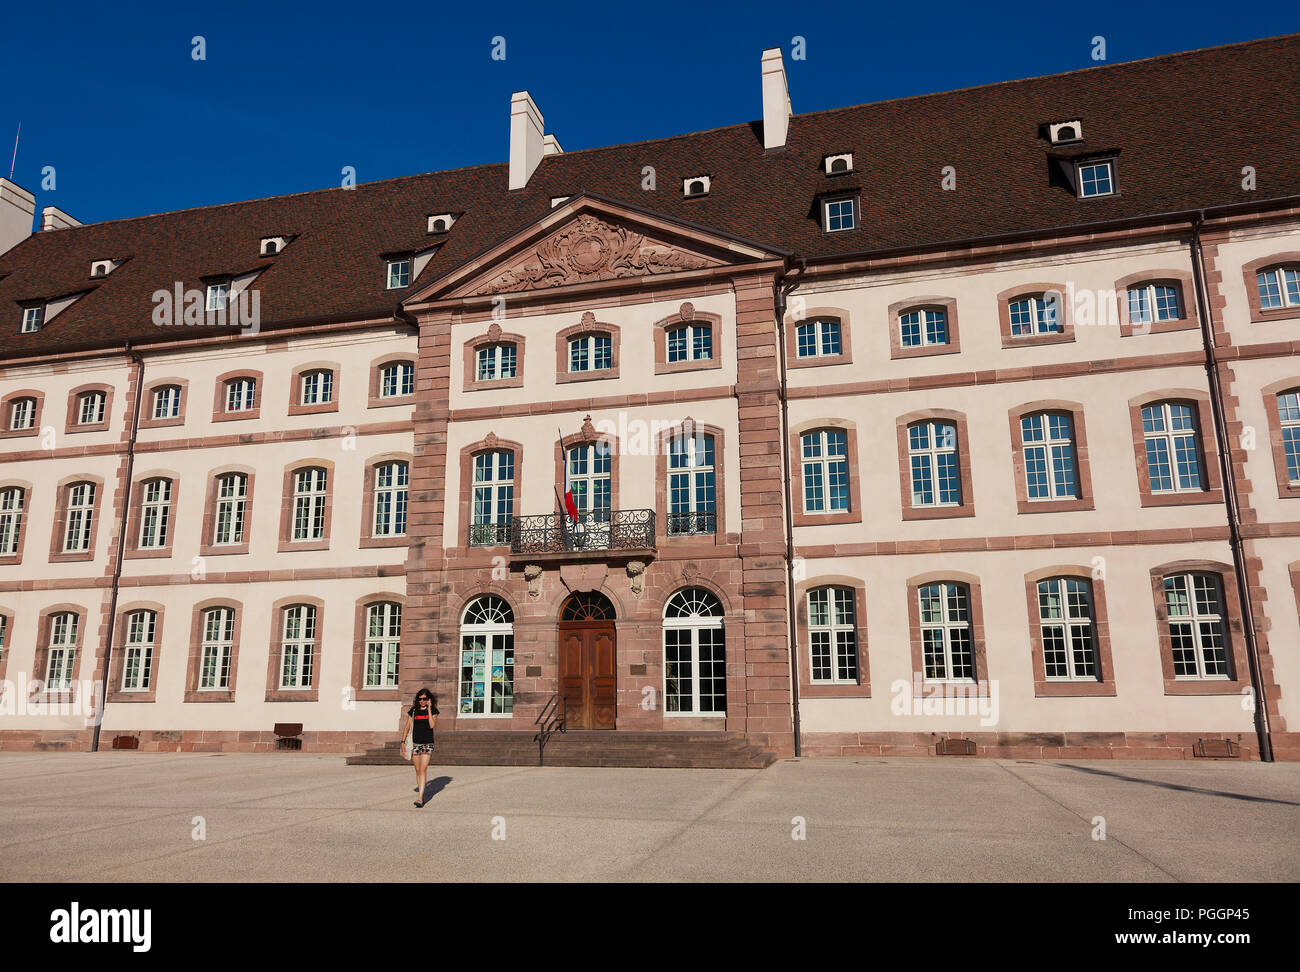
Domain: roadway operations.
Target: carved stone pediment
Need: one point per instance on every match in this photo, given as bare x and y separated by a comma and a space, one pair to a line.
589, 249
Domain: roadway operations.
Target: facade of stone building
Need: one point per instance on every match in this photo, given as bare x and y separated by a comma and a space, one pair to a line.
966, 422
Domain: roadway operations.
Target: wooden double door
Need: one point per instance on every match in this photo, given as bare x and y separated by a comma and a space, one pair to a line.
587, 680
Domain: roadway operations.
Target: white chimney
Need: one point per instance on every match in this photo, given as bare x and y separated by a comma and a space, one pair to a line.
17, 206
526, 140
776, 100
54, 218
551, 145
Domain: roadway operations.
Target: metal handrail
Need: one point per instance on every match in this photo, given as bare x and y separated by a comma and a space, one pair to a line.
549, 721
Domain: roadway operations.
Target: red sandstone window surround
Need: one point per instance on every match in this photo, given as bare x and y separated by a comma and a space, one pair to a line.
690, 486
1203, 634
1035, 313
137, 652
297, 627
76, 519
236, 398
164, 403
61, 640
493, 360
15, 511
934, 472
689, 340
20, 413
587, 351
314, 389
376, 644
1038, 435
6, 638
213, 651
946, 619
151, 520
385, 501
1067, 610
89, 408
1149, 312
824, 471
840, 616
1282, 405
1283, 295
307, 505
489, 496
228, 512
822, 336
392, 381
922, 326
1166, 432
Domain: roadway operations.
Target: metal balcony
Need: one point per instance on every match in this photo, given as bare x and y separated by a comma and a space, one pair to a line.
599, 532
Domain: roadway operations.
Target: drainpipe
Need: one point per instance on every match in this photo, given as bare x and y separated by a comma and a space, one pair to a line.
786, 287
1230, 490
134, 357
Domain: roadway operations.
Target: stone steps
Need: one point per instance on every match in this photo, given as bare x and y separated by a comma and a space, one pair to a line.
694, 750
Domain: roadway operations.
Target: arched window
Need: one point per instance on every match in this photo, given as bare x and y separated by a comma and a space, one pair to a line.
141, 639
166, 402
80, 517
818, 339
496, 361
397, 378
232, 499
1151, 302
692, 341
487, 657
1173, 451
1196, 618
392, 480
695, 654
155, 514
62, 656
1048, 441
692, 486
1035, 314
22, 414
587, 606
1278, 287
90, 407
1065, 617
218, 649
494, 498
310, 493
1288, 414
590, 476
934, 461
923, 326
383, 644
12, 502
591, 352
241, 394
946, 643
298, 647
833, 635
317, 387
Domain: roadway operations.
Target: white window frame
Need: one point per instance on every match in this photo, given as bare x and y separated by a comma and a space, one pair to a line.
588, 347
399, 273
166, 402
692, 475
218, 297
948, 623
828, 629
1063, 616
821, 329
217, 649
13, 501
138, 650
241, 394
824, 466
694, 624
231, 509
828, 217
1082, 167
1144, 302
297, 647
90, 407
310, 493
490, 361
155, 514
79, 522
33, 318
925, 317
22, 414
492, 496
392, 482
1288, 420
693, 336
1278, 278
394, 377
1046, 314
383, 645
1170, 436
1049, 449
937, 445
316, 387
496, 634
61, 656
1196, 619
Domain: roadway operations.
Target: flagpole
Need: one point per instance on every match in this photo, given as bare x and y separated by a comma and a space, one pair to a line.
564, 512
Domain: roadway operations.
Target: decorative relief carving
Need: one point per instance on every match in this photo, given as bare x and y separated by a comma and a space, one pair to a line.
490, 440
533, 574
494, 332
687, 311
636, 574
588, 430
590, 249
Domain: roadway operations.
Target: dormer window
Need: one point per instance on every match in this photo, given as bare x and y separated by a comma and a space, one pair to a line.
839, 164
441, 223
218, 295
271, 245
1062, 133
32, 319
399, 273
1096, 178
102, 268
839, 214
696, 186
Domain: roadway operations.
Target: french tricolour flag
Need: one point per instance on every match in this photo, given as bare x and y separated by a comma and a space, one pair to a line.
569, 505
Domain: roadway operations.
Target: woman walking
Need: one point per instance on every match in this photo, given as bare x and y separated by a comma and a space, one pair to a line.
420, 719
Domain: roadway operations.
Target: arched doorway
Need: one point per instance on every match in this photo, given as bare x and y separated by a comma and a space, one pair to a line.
587, 657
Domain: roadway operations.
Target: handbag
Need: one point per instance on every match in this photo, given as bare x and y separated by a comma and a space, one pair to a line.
408, 742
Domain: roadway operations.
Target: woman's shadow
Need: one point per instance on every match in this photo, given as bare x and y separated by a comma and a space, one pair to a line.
433, 787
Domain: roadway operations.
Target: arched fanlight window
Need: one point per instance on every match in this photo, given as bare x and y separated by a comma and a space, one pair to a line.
487, 657
587, 606
695, 654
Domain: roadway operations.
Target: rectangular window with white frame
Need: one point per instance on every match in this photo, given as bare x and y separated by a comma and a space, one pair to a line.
1066, 624
1173, 451
155, 514
61, 659
298, 647
833, 636
840, 214
141, 639
1096, 178
80, 518
217, 649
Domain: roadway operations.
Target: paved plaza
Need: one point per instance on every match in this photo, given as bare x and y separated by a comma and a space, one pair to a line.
299, 817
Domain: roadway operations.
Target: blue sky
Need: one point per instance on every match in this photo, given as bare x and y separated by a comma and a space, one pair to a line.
111, 97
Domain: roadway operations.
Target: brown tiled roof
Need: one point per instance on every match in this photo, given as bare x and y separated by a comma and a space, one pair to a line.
1185, 125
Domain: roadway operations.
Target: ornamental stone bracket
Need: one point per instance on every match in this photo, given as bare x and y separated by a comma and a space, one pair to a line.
636, 575
533, 575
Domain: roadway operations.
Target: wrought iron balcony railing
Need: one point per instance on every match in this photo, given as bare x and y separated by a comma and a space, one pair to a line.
599, 530
692, 524
489, 534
